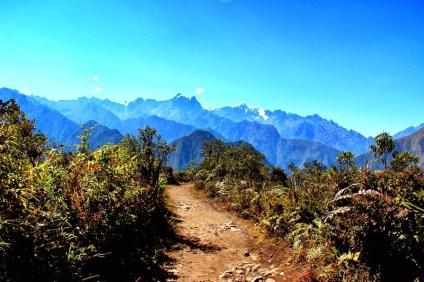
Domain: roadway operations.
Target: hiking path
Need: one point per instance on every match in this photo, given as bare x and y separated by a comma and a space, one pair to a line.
218, 246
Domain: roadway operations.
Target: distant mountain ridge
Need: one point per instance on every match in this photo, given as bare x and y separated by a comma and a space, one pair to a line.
56, 126
180, 116
289, 126
408, 131
185, 112
292, 126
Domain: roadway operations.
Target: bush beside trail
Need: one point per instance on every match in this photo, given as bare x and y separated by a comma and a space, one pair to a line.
345, 223
80, 215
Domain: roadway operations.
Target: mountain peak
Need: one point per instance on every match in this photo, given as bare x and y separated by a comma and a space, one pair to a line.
180, 95
184, 97
258, 112
242, 105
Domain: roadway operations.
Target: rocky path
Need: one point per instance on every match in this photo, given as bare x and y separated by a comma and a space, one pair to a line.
217, 246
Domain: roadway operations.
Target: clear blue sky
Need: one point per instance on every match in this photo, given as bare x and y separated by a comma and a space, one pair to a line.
360, 63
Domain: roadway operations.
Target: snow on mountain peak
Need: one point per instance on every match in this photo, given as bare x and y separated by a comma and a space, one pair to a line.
262, 113
249, 108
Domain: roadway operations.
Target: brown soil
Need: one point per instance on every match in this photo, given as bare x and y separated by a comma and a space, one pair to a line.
217, 246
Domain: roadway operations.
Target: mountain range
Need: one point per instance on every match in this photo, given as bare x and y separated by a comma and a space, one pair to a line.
408, 131
282, 137
292, 126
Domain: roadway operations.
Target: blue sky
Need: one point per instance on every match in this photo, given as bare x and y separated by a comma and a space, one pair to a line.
359, 63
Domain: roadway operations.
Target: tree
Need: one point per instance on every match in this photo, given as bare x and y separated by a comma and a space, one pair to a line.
151, 153
19, 146
213, 151
17, 135
279, 175
247, 162
346, 160
84, 147
232, 162
20, 151
403, 160
383, 146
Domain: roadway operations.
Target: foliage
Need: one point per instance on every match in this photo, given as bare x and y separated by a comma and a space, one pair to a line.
84, 146
346, 160
231, 162
150, 153
214, 152
383, 146
186, 175
403, 160
74, 216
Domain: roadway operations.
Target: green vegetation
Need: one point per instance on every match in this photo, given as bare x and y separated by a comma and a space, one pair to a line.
345, 223
383, 146
100, 215
79, 216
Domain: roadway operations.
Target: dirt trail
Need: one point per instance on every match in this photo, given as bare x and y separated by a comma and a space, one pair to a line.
217, 246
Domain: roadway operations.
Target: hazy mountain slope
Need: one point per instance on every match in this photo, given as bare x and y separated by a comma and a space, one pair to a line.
84, 109
242, 118
189, 111
92, 111
241, 112
55, 125
264, 137
179, 109
109, 114
188, 149
186, 114
101, 135
300, 151
141, 107
69, 106
50, 122
169, 129
413, 143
